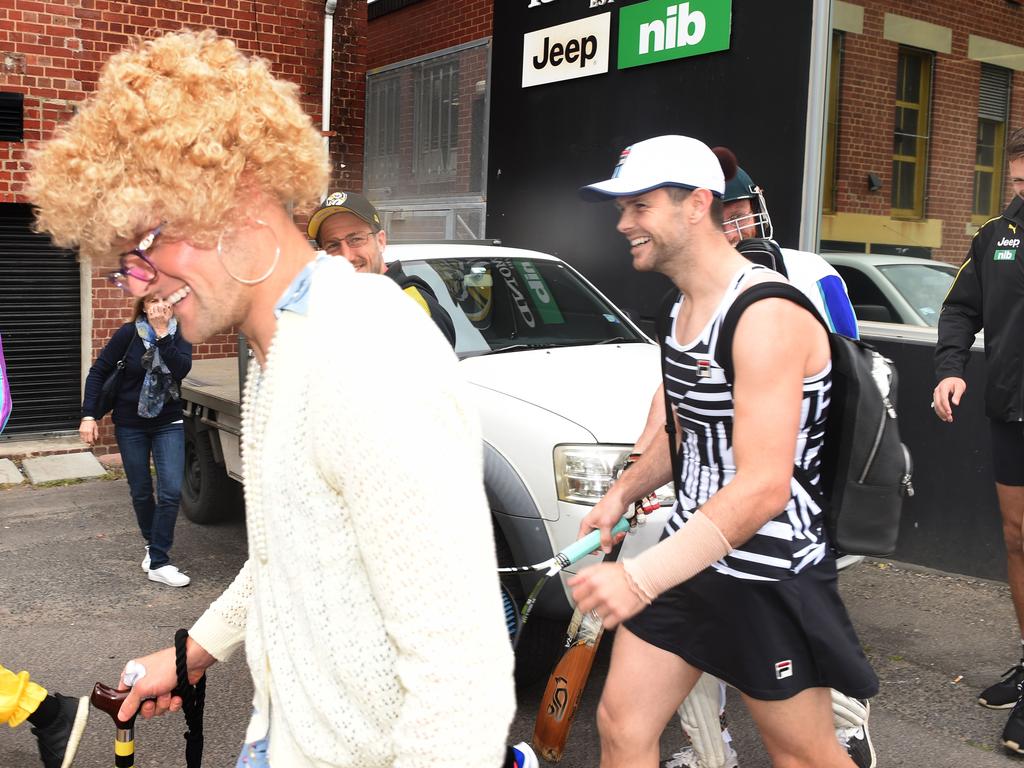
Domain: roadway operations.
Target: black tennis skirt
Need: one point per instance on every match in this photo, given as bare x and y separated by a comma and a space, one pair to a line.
768, 639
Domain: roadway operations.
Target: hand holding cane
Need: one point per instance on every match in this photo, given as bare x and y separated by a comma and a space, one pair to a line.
109, 700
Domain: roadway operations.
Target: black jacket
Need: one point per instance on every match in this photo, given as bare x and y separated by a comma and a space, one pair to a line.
176, 353
988, 293
422, 293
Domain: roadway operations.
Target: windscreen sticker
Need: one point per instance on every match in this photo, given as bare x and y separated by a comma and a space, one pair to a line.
543, 300
515, 291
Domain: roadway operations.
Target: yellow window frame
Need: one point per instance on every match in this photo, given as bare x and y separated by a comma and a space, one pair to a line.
919, 158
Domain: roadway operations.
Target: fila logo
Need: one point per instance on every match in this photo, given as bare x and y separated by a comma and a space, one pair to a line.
703, 369
783, 669
1007, 242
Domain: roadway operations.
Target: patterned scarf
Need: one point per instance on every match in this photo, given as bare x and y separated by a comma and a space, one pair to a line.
158, 386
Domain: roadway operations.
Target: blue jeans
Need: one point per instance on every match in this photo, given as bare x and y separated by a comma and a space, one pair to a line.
254, 755
156, 517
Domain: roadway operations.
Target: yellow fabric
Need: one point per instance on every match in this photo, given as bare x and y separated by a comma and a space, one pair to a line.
414, 293
19, 697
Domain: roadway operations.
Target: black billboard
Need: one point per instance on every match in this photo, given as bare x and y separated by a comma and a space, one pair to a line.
609, 74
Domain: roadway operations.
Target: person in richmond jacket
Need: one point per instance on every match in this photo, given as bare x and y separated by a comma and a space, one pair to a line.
988, 293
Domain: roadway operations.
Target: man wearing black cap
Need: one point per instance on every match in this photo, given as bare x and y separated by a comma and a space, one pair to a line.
742, 584
339, 228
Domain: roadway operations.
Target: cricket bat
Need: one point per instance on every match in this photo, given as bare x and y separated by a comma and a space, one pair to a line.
569, 679
566, 685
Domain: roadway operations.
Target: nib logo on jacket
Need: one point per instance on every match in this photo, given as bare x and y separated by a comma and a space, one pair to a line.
1006, 249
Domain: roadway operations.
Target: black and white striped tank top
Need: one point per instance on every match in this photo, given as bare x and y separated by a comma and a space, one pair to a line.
702, 399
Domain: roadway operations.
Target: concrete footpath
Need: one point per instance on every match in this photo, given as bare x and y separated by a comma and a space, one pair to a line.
52, 461
77, 606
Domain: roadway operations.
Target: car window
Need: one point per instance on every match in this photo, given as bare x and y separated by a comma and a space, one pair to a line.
924, 286
498, 303
869, 303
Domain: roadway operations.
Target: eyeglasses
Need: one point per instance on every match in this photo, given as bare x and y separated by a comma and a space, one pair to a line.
136, 264
353, 241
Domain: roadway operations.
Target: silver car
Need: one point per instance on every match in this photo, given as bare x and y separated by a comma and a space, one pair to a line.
894, 289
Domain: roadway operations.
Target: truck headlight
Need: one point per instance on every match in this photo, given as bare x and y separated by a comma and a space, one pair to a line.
584, 473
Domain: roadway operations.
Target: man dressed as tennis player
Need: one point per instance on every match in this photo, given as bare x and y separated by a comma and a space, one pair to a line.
742, 584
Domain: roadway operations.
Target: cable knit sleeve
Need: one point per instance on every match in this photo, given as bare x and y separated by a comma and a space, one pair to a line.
221, 628
402, 435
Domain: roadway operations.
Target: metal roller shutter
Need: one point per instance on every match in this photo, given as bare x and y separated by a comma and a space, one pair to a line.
40, 321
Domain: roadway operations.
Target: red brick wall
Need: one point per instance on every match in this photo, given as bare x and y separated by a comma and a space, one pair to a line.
426, 27
867, 111
57, 49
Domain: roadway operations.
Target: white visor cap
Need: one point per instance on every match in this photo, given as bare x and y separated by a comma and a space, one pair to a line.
664, 161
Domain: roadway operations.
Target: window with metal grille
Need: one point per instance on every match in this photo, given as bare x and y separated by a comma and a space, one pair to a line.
12, 116
993, 108
383, 120
911, 134
437, 121
425, 152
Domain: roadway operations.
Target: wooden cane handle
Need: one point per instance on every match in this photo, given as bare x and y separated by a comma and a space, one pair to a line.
109, 700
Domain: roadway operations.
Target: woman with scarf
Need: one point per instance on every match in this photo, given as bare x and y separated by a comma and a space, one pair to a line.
147, 422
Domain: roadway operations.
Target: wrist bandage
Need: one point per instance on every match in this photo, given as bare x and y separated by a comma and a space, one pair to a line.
681, 556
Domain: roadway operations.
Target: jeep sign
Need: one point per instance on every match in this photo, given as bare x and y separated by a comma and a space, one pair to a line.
567, 51
660, 30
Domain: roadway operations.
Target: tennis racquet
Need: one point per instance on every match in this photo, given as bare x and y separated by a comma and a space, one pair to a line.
516, 620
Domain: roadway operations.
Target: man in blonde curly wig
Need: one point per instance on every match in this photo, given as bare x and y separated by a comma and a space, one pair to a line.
178, 172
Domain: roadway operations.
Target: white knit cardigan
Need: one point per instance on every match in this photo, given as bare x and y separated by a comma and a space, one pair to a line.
369, 605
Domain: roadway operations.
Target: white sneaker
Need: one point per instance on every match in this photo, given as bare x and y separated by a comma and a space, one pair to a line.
687, 758
145, 560
169, 575
525, 756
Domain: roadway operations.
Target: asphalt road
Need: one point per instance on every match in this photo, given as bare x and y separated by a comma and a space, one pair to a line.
76, 606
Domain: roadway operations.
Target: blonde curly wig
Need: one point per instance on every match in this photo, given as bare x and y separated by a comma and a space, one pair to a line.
183, 129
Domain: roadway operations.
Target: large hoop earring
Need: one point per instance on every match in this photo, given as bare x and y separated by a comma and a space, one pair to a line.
265, 275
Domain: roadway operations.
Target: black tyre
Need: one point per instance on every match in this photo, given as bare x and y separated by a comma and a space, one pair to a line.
540, 638
208, 495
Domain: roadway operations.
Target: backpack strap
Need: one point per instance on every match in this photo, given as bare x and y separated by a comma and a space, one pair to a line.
131, 340
768, 290
663, 327
723, 348
763, 251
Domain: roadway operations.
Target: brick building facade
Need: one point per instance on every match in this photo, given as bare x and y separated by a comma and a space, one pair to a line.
951, 48
50, 57
423, 27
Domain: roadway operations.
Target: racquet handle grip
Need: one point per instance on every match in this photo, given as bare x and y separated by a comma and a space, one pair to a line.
583, 547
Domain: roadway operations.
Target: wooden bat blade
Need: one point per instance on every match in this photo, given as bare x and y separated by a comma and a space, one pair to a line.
565, 687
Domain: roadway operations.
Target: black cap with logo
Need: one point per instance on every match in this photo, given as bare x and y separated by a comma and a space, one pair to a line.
343, 202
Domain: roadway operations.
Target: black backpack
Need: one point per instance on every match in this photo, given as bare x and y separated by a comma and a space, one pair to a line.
865, 468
